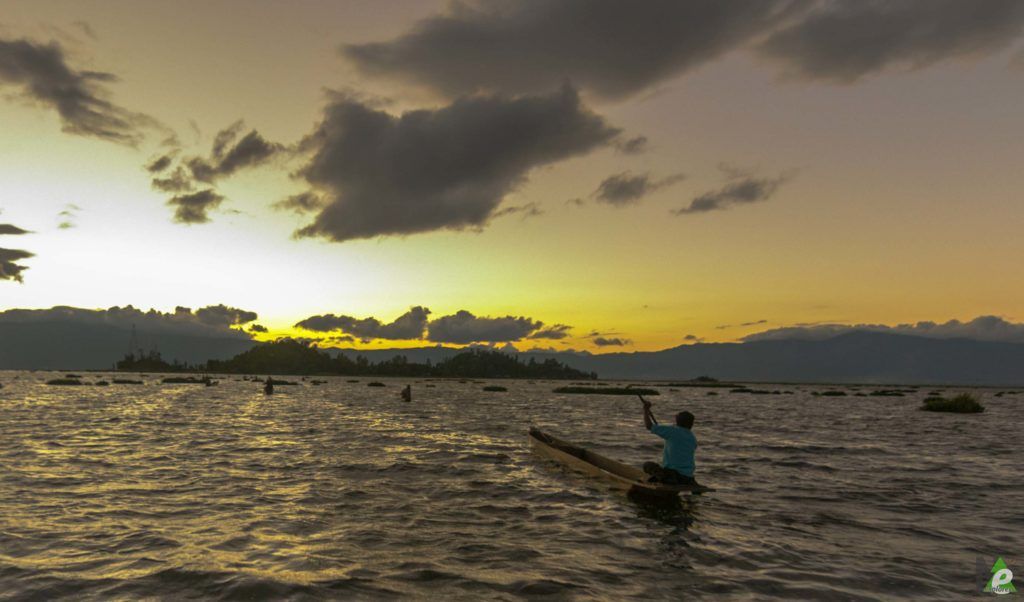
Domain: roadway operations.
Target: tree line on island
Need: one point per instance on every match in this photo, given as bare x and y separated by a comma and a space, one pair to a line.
288, 356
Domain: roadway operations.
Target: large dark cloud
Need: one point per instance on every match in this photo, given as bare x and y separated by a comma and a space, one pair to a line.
193, 208
213, 320
845, 40
610, 47
463, 328
627, 188
80, 98
982, 328
409, 325
10, 269
740, 190
447, 168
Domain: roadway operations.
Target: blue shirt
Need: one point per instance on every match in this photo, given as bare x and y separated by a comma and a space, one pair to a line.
680, 444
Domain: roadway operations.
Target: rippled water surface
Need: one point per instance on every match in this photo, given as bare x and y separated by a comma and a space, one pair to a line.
341, 491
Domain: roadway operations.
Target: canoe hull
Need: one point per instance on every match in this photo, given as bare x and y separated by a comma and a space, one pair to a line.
619, 475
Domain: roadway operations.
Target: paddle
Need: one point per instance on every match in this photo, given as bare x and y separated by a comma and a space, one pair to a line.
647, 407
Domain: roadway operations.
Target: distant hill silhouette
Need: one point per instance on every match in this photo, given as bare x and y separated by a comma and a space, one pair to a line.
855, 357
62, 345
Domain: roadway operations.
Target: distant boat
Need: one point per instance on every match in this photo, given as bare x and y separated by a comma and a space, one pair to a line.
619, 475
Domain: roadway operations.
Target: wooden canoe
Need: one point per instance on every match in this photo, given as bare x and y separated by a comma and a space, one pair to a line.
619, 475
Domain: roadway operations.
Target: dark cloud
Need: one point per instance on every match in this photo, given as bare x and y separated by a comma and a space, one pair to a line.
611, 342
258, 328
463, 328
632, 146
844, 41
222, 315
305, 202
409, 325
693, 338
557, 331
80, 98
206, 321
10, 269
447, 168
524, 211
11, 229
177, 181
160, 163
741, 190
982, 328
754, 323
627, 188
610, 47
193, 208
228, 155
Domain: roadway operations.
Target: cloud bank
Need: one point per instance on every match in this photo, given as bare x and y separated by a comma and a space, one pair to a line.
217, 320
461, 328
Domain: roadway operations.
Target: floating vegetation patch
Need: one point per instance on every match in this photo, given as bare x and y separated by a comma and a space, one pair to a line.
127, 381
965, 403
184, 380
65, 382
375, 384
888, 393
832, 393
606, 391
495, 388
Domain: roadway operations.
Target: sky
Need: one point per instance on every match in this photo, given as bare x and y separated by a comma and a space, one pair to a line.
583, 174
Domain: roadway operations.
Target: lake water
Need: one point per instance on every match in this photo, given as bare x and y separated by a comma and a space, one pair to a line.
342, 491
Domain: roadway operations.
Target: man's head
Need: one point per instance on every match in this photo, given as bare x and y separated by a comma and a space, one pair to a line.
685, 420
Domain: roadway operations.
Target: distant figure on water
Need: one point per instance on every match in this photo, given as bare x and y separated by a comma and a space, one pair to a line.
407, 393
677, 464
268, 389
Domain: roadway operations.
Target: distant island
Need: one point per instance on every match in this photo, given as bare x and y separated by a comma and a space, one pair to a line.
288, 356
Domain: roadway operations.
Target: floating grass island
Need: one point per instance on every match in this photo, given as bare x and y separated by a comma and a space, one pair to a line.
965, 403
606, 391
127, 381
375, 384
65, 382
495, 388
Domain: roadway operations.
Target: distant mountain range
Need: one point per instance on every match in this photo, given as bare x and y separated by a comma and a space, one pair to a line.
853, 357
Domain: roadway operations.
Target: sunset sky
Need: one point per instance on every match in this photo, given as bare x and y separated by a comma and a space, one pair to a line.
645, 173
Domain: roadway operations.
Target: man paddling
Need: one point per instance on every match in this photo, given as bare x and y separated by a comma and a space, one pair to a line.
677, 464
